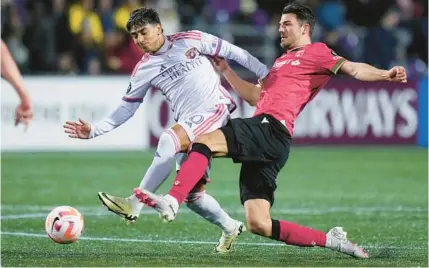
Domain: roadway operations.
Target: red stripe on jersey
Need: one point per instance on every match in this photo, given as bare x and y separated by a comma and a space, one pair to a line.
185, 38
210, 121
144, 59
128, 99
195, 36
226, 95
198, 34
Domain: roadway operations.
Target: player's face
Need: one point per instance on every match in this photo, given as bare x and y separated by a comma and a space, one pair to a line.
147, 37
291, 30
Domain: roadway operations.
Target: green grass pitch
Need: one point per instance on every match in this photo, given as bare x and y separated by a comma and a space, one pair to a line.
379, 195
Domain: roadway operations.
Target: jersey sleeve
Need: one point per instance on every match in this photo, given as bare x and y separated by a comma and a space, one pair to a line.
138, 86
214, 46
116, 118
327, 59
136, 90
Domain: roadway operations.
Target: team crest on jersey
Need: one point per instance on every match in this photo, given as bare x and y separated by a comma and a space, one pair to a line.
191, 53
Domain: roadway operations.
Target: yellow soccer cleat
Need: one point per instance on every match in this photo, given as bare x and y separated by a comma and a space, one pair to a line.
226, 240
123, 207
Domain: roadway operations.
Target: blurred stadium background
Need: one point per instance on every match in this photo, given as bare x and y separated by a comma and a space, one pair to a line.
363, 163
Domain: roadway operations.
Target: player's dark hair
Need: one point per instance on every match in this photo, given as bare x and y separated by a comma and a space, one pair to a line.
303, 13
143, 16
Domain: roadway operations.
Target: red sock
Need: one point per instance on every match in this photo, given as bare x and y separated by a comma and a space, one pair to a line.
189, 174
297, 235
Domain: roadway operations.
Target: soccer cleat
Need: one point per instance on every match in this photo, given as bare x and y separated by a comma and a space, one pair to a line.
167, 206
336, 239
226, 240
122, 207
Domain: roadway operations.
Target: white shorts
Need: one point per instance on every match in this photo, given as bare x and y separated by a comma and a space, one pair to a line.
202, 122
205, 121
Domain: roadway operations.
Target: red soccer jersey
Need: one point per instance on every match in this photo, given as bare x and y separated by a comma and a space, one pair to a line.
295, 79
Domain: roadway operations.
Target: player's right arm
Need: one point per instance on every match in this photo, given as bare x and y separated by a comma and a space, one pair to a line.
130, 103
10, 71
247, 91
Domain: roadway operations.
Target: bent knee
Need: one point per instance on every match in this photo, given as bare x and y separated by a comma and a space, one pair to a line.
260, 226
204, 139
215, 141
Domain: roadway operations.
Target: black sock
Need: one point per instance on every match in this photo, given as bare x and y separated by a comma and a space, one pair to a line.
275, 231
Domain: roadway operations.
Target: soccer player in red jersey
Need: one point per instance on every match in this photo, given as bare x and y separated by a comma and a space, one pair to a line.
261, 143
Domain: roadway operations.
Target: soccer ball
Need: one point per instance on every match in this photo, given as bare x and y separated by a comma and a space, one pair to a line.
64, 225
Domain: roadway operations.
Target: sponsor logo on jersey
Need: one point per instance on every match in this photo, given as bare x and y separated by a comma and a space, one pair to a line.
279, 64
181, 68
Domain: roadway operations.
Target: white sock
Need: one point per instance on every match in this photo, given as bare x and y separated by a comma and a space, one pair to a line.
162, 163
207, 207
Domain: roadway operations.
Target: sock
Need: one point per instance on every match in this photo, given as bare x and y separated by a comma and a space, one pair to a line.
207, 207
297, 235
191, 172
162, 163
182, 157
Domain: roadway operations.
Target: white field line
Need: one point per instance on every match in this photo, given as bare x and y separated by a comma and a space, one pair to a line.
41, 211
189, 242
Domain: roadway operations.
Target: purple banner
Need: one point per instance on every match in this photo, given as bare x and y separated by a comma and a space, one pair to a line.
344, 112
354, 112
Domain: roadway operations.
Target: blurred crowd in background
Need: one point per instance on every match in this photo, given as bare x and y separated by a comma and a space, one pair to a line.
89, 37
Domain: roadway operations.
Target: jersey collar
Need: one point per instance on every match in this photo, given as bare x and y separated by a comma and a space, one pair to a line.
296, 48
166, 46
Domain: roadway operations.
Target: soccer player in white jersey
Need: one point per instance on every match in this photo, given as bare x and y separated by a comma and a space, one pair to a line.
177, 65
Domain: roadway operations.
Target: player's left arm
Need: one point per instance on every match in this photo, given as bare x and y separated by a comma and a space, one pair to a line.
328, 60
213, 46
369, 73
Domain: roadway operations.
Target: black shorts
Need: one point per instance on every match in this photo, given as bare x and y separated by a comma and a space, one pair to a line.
261, 144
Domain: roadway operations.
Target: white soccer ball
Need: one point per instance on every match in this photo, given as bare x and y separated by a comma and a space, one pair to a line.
64, 224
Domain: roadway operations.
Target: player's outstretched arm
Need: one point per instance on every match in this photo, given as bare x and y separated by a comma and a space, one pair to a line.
10, 71
247, 91
84, 130
77, 130
213, 46
366, 72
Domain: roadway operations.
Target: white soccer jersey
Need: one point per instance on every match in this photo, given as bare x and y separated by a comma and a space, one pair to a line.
181, 70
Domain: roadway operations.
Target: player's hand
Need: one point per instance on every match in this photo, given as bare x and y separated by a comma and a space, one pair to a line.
77, 130
397, 74
24, 113
220, 64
